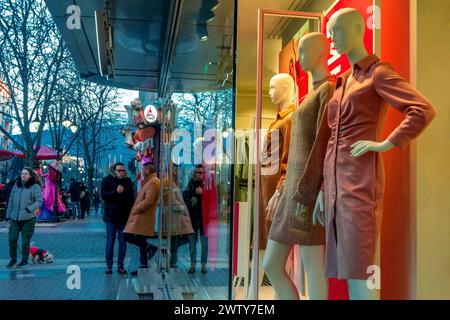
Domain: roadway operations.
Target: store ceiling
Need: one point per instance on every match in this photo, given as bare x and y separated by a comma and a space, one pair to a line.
247, 40
143, 60
156, 48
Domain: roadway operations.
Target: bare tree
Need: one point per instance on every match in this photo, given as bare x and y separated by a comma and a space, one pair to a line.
62, 136
205, 107
63, 108
31, 56
99, 118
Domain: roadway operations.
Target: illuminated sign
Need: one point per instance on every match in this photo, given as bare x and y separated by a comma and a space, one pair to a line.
150, 113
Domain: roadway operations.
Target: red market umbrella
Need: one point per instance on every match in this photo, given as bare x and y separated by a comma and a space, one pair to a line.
6, 154
44, 153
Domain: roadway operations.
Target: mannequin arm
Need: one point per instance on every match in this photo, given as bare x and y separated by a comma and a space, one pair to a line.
402, 96
286, 136
363, 146
273, 204
319, 212
311, 181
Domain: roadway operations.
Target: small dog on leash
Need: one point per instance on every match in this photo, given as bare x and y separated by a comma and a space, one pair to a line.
38, 255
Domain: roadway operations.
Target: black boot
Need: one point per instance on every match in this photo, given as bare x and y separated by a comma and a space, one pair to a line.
23, 263
11, 263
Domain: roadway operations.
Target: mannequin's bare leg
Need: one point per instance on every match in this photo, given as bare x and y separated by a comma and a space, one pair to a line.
261, 270
358, 290
313, 260
274, 265
261, 254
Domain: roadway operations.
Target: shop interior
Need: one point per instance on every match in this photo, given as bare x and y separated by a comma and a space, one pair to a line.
399, 37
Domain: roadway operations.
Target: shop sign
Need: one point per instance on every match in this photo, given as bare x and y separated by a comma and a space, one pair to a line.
151, 114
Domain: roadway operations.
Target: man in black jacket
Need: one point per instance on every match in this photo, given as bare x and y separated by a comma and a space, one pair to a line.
118, 195
193, 198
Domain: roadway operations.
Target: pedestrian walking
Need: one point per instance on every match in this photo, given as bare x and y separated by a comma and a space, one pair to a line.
181, 226
65, 198
85, 201
75, 193
118, 195
193, 199
141, 223
96, 199
25, 199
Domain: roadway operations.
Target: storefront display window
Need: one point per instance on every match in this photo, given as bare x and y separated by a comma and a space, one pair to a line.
279, 49
293, 142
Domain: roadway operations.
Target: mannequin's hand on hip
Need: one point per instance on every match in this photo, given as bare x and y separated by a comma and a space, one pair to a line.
319, 214
363, 146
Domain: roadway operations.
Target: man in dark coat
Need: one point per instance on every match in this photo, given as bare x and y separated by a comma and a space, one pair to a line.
118, 195
193, 198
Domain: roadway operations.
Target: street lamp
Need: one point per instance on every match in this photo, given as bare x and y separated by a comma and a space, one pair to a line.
35, 123
66, 122
73, 127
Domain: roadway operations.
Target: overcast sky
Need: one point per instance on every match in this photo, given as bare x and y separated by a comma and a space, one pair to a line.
128, 95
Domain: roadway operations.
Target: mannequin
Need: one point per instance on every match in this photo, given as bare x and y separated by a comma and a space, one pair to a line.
350, 205
291, 206
274, 155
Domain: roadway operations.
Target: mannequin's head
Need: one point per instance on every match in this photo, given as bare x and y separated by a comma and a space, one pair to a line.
281, 88
313, 50
346, 27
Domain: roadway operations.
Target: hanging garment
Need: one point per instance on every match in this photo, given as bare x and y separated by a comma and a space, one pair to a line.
242, 156
242, 196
